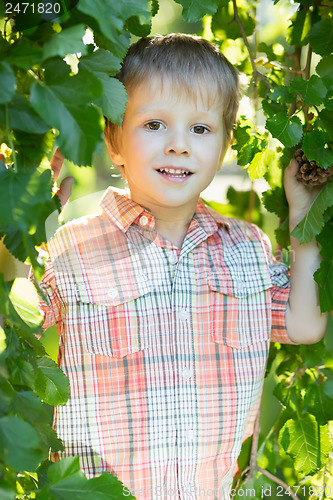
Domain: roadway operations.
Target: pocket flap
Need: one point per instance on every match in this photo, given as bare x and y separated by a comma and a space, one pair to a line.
239, 285
97, 289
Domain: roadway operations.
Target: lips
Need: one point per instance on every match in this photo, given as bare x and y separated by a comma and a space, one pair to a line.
175, 172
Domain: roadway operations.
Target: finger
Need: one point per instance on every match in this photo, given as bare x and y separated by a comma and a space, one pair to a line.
56, 163
65, 190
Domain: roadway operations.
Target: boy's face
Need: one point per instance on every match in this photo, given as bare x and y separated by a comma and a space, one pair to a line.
170, 146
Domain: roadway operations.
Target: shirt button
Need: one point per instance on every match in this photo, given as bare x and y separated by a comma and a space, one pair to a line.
183, 315
143, 221
187, 373
173, 259
112, 293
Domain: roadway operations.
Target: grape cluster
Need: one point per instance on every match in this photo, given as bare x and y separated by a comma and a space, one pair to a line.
309, 172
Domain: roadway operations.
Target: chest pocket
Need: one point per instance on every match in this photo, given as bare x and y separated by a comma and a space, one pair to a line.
115, 320
242, 309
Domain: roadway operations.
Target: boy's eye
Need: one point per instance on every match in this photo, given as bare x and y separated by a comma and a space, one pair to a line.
199, 129
154, 125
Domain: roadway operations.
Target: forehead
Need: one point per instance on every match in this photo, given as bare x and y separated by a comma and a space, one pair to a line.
199, 92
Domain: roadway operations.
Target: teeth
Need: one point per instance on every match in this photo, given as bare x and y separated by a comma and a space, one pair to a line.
175, 171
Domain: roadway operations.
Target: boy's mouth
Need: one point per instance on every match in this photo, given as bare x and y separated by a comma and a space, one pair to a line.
174, 172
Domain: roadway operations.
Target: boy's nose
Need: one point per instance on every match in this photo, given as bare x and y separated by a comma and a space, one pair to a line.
177, 145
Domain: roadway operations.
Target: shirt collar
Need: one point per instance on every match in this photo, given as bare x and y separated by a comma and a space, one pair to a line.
123, 211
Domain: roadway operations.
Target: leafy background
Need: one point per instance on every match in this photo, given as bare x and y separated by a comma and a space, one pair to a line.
55, 89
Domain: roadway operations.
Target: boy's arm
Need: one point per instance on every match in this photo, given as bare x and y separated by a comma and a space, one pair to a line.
305, 323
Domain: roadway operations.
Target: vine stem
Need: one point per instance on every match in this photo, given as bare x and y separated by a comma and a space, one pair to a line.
277, 481
10, 140
256, 73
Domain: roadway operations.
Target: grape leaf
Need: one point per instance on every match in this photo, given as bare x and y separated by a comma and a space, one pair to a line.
325, 70
321, 37
319, 401
21, 116
313, 91
281, 94
114, 98
101, 61
275, 201
324, 278
57, 389
194, 10
68, 41
315, 148
306, 442
111, 17
7, 491
67, 481
25, 301
299, 28
289, 131
64, 103
24, 54
8, 82
313, 222
260, 163
20, 454
30, 407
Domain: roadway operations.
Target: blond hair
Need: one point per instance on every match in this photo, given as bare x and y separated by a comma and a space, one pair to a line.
194, 66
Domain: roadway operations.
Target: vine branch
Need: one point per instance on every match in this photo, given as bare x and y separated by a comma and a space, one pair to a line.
277, 481
256, 73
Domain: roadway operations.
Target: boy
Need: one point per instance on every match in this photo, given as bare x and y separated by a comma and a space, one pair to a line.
165, 309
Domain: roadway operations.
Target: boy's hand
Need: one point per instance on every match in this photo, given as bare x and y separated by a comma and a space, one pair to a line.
299, 197
65, 188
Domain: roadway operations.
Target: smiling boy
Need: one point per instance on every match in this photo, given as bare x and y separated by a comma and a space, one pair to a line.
165, 308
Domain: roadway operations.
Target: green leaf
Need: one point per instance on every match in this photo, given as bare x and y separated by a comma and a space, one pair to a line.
68, 41
101, 61
21, 443
114, 98
275, 201
261, 163
299, 29
194, 10
281, 94
313, 91
67, 467
7, 82
325, 121
324, 277
21, 116
8, 311
30, 407
24, 54
319, 401
7, 491
64, 104
313, 222
306, 442
111, 16
287, 130
321, 37
104, 487
57, 388
315, 148
248, 141
325, 70
24, 298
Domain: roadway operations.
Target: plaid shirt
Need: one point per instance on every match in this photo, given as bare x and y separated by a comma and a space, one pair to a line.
165, 349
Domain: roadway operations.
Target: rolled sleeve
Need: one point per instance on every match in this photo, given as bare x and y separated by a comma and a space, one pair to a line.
280, 290
51, 308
